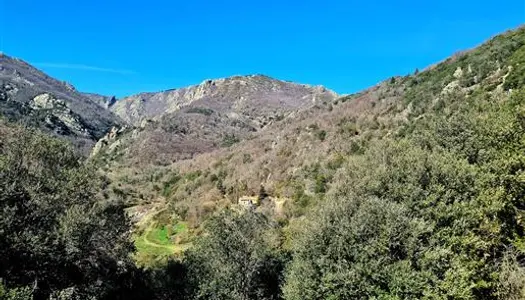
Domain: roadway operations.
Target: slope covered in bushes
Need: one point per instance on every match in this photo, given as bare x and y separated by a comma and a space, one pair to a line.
412, 189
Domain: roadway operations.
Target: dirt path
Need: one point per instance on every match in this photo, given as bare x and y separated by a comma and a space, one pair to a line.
149, 224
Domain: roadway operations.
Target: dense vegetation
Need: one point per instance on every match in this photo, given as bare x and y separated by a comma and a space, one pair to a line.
434, 214
423, 199
57, 236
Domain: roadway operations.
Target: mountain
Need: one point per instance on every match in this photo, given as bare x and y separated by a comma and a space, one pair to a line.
29, 96
253, 97
179, 124
411, 189
182, 156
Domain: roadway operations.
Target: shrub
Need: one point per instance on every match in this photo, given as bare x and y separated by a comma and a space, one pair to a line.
229, 140
236, 259
321, 135
200, 110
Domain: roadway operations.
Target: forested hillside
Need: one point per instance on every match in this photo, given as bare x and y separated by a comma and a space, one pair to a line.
412, 189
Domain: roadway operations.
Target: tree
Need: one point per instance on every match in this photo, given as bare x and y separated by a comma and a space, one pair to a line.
262, 194
238, 258
429, 214
56, 232
357, 249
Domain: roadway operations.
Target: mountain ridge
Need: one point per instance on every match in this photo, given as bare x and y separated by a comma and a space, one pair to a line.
136, 108
178, 124
31, 97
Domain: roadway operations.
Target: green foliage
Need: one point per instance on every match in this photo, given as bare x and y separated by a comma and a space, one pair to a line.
192, 176
229, 140
200, 110
336, 162
347, 127
421, 198
19, 293
160, 235
301, 200
392, 80
52, 220
320, 184
516, 77
356, 261
160, 242
168, 185
238, 258
321, 135
424, 216
262, 194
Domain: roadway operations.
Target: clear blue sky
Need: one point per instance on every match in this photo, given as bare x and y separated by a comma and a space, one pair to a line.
124, 47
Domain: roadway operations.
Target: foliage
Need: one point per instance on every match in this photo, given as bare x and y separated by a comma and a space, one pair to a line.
229, 140
238, 258
511, 281
357, 261
321, 135
417, 194
200, 110
55, 231
422, 216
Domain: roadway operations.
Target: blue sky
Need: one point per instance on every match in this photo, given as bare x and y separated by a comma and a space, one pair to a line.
124, 47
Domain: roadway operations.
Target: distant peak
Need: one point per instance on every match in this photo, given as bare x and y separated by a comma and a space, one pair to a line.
245, 80
237, 77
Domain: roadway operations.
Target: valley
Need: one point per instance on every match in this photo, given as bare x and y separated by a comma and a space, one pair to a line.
250, 187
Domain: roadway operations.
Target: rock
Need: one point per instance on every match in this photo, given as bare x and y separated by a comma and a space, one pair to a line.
46, 101
111, 139
451, 87
58, 109
238, 93
32, 97
69, 86
110, 102
458, 73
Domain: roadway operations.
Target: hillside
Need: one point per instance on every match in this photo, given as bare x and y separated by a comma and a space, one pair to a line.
31, 97
179, 124
254, 188
295, 160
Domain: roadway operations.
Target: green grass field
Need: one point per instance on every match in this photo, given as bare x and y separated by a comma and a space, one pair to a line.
159, 236
157, 243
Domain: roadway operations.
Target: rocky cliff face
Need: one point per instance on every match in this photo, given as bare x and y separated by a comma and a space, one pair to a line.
31, 97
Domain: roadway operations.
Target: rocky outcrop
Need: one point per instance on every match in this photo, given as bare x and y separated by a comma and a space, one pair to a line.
47, 101
58, 114
109, 141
